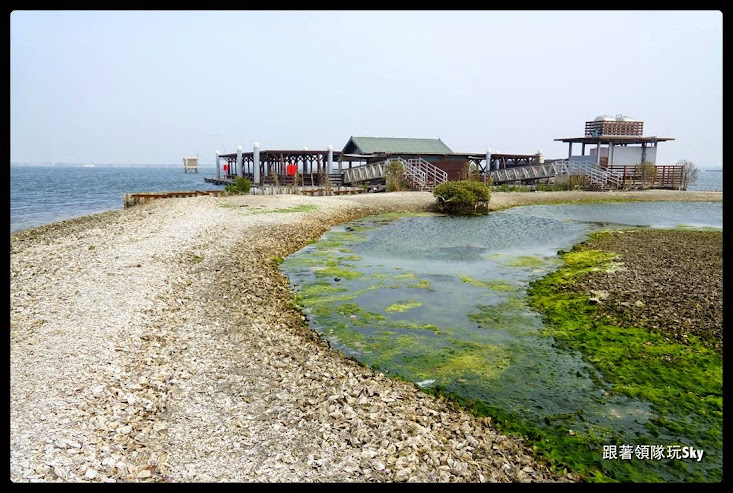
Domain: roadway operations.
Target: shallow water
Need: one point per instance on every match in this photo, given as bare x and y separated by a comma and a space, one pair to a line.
442, 301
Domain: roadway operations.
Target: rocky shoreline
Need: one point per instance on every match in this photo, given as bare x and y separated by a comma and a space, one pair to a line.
158, 343
672, 283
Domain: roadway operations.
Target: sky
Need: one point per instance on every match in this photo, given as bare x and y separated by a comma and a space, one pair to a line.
148, 87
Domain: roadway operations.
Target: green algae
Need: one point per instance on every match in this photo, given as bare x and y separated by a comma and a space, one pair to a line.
403, 306
423, 284
468, 361
412, 325
508, 315
406, 276
524, 261
334, 271
495, 285
682, 382
323, 295
409, 351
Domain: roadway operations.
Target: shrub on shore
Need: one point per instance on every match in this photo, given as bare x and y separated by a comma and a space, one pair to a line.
241, 186
395, 177
462, 197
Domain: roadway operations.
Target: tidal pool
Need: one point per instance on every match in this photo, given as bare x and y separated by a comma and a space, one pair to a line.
442, 301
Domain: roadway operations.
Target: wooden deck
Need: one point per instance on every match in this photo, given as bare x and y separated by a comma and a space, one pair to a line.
668, 176
131, 199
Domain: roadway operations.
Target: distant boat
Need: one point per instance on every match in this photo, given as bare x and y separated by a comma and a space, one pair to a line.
89, 165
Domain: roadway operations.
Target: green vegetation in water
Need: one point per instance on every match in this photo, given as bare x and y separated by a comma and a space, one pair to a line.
408, 275
275, 261
496, 285
423, 284
338, 239
682, 382
321, 297
334, 271
403, 306
463, 360
524, 261
412, 325
508, 315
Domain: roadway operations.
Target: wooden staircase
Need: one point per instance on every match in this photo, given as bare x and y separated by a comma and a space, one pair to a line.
420, 174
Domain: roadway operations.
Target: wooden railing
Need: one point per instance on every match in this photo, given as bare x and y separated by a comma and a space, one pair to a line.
419, 173
599, 177
666, 176
426, 176
532, 172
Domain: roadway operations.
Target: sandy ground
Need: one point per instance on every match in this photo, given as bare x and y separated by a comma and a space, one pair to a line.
158, 344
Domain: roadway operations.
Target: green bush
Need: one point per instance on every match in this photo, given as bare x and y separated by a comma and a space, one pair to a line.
647, 172
241, 186
395, 177
462, 197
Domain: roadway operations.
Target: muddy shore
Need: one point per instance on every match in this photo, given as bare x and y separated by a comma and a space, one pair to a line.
158, 343
672, 283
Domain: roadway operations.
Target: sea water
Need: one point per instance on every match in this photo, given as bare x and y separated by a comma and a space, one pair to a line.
45, 194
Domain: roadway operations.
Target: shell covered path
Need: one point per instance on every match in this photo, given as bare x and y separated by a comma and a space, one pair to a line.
159, 343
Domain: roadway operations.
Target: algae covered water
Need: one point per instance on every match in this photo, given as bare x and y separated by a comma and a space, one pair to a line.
442, 301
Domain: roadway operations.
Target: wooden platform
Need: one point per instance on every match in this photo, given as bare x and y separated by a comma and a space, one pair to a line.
131, 199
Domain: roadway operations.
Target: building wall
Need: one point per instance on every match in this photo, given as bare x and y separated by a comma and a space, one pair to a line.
632, 155
455, 168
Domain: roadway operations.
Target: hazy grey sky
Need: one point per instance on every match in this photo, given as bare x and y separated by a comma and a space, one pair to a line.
150, 87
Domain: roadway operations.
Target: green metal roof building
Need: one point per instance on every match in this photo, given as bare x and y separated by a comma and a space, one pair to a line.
372, 146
